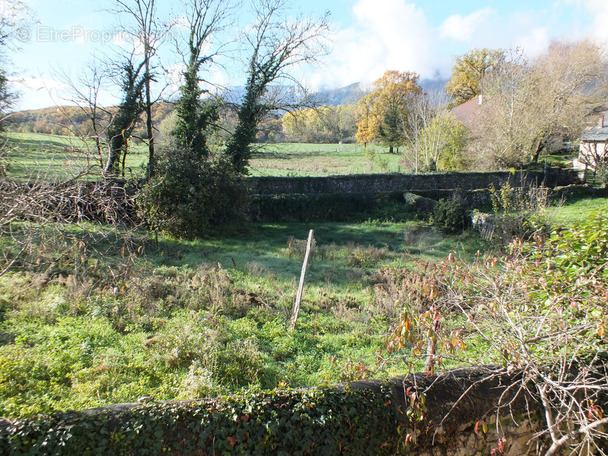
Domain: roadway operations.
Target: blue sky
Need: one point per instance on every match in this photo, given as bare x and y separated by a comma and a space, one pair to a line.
368, 37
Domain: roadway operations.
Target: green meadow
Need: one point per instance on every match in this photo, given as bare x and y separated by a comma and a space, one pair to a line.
52, 156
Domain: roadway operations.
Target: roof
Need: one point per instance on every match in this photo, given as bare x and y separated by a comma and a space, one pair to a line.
467, 112
595, 134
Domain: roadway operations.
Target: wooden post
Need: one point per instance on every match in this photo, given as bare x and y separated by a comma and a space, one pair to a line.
296, 304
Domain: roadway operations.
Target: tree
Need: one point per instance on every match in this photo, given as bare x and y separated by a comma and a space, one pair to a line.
86, 90
13, 14
148, 31
526, 104
276, 43
323, 124
441, 143
119, 131
435, 139
569, 80
383, 113
469, 71
368, 122
205, 18
596, 156
190, 192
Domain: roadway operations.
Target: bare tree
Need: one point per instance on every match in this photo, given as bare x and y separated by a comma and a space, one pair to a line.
14, 13
85, 91
275, 43
595, 156
571, 80
527, 103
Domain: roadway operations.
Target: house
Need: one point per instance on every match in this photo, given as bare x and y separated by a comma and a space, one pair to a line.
468, 113
593, 151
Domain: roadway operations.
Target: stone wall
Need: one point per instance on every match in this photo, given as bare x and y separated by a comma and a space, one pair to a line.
390, 183
458, 418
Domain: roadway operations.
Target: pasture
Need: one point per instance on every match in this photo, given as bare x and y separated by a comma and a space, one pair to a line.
91, 316
51, 156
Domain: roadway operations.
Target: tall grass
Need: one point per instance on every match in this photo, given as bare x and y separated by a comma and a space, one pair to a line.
84, 323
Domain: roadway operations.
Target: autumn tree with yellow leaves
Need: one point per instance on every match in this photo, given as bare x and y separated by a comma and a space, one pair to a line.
469, 71
322, 124
382, 115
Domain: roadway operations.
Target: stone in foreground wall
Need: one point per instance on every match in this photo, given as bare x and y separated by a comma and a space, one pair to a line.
361, 418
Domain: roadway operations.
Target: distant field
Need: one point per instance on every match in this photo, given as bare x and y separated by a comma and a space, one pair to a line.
54, 156
322, 159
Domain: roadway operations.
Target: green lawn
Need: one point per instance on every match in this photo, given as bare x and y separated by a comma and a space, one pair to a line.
576, 210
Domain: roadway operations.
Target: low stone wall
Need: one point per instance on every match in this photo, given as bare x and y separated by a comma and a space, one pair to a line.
390, 183
458, 417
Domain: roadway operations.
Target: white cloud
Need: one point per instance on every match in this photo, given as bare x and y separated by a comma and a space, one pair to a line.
599, 12
535, 42
462, 28
35, 93
398, 35
395, 35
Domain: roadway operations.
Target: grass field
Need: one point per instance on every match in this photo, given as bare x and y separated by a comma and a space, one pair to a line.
91, 316
58, 156
52, 156
190, 319
323, 159
96, 325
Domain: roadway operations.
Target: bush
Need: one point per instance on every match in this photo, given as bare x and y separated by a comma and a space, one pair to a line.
190, 195
449, 216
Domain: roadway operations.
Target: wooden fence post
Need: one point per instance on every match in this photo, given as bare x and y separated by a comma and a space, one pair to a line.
296, 304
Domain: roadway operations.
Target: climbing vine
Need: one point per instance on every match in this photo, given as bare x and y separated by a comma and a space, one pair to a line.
319, 421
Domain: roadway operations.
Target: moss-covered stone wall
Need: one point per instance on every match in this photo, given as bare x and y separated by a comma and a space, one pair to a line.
451, 414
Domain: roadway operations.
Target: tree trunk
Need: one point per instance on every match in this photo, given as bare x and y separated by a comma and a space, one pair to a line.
539, 148
149, 128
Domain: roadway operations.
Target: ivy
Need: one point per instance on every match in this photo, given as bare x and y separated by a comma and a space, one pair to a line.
320, 421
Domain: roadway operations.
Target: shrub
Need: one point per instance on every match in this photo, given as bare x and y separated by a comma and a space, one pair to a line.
540, 309
191, 195
449, 216
320, 421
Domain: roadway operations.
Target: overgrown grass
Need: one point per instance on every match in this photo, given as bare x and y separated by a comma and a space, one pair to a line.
179, 320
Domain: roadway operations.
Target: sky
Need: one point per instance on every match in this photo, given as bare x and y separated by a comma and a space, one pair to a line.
367, 38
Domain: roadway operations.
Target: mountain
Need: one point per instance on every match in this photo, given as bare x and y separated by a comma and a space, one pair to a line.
351, 94
63, 120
